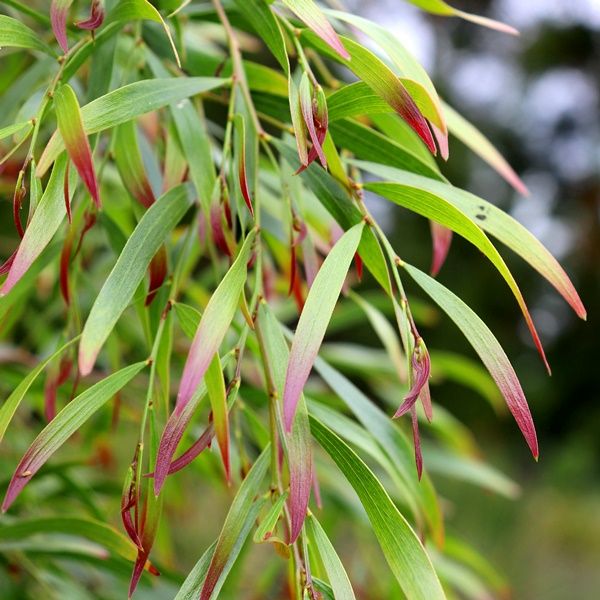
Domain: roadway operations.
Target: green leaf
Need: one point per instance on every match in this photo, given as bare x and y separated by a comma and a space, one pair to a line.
217, 394
420, 496
45, 222
403, 551
127, 103
14, 34
119, 288
136, 10
240, 515
60, 429
487, 347
439, 7
496, 222
188, 317
12, 403
95, 531
338, 578
437, 209
12, 129
264, 532
320, 302
258, 13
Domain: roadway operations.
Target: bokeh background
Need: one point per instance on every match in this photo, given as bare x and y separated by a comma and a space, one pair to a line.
536, 97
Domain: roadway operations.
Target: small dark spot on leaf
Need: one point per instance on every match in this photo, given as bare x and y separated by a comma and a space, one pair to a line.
481, 217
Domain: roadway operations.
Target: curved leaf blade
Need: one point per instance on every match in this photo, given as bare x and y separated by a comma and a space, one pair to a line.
14, 34
315, 316
60, 429
487, 347
404, 552
119, 288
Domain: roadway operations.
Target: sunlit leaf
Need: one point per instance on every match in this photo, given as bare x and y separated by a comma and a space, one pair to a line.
315, 316
14, 34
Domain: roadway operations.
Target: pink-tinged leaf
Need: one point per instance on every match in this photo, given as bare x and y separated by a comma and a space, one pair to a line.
46, 220
71, 129
315, 317
59, 10
442, 239
442, 141
316, 488
130, 164
315, 120
242, 510
384, 82
129, 502
486, 22
240, 149
217, 394
421, 369
60, 429
96, 17
417, 441
487, 347
214, 323
171, 436
53, 382
301, 470
311, 14
158, 273
217, 228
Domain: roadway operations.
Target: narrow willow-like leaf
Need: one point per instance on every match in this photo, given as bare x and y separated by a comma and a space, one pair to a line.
90, 529
264, 532
45, 222
469, 135
413, 75
497, 223
119, 288
313, 17
136, 10
383, 81
298, 121
338, 578
96, 17
297, 443
11, 404
59, 11
403, 551
487, 347
60, 429
14, 34
71, 129
127, 103
12, 129
315, 316
130, 165
446, 214
439, 7
214, 323
217, 394
259, 14
239, 514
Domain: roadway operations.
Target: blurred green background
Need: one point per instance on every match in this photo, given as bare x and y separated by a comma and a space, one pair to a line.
537, 97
